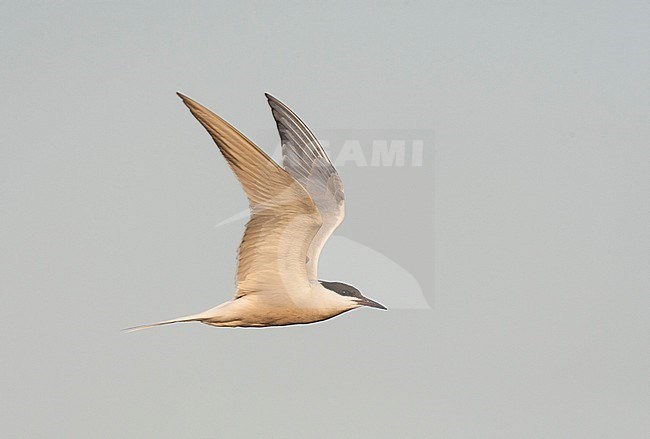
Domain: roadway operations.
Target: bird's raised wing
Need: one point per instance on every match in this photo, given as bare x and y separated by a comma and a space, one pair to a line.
306, 161
284, 220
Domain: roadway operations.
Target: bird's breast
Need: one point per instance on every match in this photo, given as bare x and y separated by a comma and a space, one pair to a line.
267, 309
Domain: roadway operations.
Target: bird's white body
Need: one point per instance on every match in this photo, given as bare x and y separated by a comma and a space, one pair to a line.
313, 305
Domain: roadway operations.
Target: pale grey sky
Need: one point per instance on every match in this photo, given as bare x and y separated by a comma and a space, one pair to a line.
526, 228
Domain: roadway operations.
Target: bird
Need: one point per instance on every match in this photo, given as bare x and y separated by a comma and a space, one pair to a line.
294, 208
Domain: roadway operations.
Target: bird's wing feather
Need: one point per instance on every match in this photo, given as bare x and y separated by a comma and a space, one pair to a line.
284, 220
305, 160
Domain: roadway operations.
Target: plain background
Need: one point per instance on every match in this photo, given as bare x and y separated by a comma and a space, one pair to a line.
538, 271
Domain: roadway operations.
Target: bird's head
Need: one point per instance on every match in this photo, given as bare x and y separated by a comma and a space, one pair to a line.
351, 294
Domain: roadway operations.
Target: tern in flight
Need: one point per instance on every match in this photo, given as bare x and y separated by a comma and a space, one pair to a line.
294, 210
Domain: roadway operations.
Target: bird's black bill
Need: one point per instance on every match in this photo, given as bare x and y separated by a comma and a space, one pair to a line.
371, 303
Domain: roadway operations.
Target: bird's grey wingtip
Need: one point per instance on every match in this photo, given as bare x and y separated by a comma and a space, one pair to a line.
272, 99
275, 103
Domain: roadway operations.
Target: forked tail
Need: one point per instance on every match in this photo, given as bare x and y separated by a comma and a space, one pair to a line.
166, 322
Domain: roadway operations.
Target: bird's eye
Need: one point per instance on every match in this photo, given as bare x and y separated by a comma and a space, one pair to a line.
346, 293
